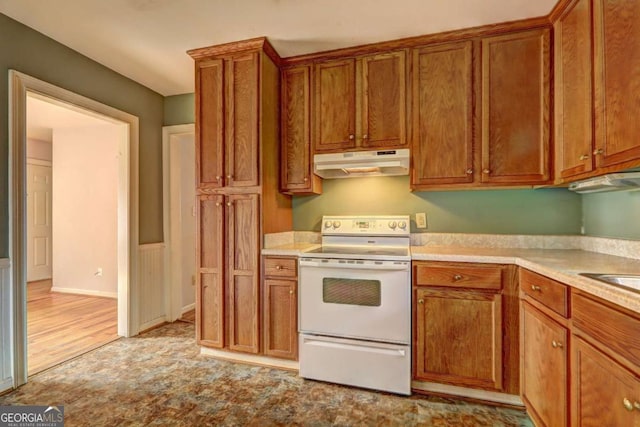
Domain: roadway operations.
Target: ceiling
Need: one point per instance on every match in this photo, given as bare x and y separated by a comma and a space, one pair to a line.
44, 116
146, 40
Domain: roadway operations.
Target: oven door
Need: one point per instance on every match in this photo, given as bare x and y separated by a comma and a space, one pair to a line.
359, 299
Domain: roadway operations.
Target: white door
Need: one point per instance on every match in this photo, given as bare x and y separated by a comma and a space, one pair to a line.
39, 195
188, 218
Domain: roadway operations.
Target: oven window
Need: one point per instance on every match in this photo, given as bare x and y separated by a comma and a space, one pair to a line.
351, 291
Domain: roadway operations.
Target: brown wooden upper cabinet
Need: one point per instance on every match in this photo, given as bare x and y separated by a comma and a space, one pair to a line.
443, 112
360, 103
573, 94
515, 108
617, 81
227, 121
296, 168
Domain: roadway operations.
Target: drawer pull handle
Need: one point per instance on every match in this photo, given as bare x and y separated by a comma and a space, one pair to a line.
469, 171
536, 288
598, 151
556, 344
584, 157
627, 404
457, 277
420, 301
636, 405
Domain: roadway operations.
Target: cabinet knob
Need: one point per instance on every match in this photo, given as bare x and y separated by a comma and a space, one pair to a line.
457, 277
217, 203
487, 171
352, 137
305, 179
228, 203
469, 171
229, 176
598, 151
365, 136
556, 344
278, 267
627, 404
536, 288
218, 177
291, 292
420, 301
584, 157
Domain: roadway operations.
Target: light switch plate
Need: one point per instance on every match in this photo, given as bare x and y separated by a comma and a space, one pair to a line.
421, 220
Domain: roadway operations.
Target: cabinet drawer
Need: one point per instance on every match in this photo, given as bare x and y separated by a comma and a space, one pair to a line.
616, 330
470, 276
280, 267
552, 294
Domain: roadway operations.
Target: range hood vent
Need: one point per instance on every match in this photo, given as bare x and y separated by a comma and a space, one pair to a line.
610, 182
362, 163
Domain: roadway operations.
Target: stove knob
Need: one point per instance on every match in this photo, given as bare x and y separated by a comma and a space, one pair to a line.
327, 224
336, 224
392, 225
402, 224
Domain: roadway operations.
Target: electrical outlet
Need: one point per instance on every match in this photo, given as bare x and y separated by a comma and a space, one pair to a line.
421, 220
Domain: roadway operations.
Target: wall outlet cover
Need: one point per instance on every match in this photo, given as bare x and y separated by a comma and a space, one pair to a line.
421, 220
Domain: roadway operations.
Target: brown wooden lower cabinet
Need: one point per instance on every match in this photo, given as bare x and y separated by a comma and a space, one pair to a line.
605, 393
280, 306
545, 364
466, 325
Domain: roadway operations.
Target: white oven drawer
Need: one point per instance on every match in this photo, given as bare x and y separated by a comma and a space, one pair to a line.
377, 366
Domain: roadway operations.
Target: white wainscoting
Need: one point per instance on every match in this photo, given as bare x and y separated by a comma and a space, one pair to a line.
151, 283
6, 324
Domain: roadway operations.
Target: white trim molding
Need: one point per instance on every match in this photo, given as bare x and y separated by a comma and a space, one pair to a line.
250, 359
39, 162
88, 292
128, 212
171, 223
490, 396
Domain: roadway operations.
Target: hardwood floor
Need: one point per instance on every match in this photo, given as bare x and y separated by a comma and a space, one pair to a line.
189, 316
63, 326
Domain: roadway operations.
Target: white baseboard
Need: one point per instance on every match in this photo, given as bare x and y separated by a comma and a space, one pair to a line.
188, 307
87, 292
270, 362
490, 396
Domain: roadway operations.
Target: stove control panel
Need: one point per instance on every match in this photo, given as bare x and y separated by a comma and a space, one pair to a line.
383, 225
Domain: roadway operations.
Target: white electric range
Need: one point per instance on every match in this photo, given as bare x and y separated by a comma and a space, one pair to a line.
355, 304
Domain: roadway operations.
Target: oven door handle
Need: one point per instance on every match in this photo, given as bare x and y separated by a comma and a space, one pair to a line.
387, 267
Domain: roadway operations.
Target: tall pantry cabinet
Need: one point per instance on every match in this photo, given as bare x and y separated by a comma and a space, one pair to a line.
237, 139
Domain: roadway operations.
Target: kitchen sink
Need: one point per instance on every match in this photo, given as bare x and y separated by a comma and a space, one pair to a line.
628, 281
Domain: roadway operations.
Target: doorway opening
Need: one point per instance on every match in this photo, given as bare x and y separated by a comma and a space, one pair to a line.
179, 177
14, 333
72, 194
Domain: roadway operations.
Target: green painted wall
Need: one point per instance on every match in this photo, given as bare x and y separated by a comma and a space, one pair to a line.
179, 109
32, 53
614, 215
544, 211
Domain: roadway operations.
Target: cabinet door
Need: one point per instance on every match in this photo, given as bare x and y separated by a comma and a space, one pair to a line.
443, 136
544, 368
296, 167
617, 81
334, 105
604, 393
384, 91
573, 98
280, 318
243, 217
242, 139
210, 123
515, 108
459, 338
210, 290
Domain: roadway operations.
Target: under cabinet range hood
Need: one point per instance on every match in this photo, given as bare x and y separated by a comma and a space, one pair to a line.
610, 182
362, 163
